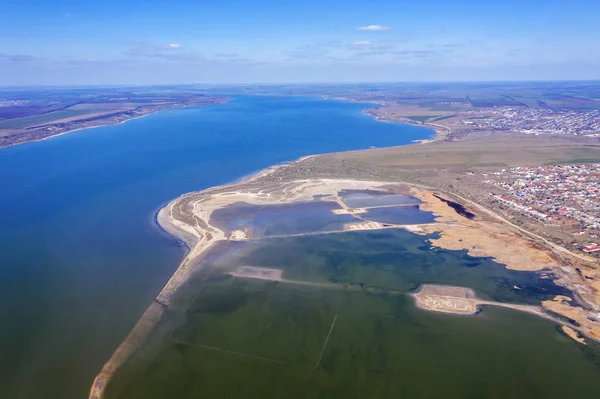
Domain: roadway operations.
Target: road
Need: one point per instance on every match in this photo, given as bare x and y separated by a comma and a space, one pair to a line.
502, 219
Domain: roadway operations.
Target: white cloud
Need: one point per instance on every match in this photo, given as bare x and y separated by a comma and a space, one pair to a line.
374, 28
362, 43
173, 45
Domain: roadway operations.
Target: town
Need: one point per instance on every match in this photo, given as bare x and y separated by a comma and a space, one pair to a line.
540, 120
562, 195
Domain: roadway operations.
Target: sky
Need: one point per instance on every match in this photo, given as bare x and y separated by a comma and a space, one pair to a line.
107, 42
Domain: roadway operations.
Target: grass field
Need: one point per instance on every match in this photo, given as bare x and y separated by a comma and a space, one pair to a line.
41, 119
357, 335
421, 118
441, 118
480, 117
449, 107
486, 151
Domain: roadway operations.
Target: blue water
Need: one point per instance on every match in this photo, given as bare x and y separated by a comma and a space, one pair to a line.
368, 199
80, 257
272, 220
399, 215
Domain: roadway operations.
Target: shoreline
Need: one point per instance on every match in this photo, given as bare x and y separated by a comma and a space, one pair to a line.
173, 237
107, 124
201, 237
439, 135
198, 247
199, 240
469, 304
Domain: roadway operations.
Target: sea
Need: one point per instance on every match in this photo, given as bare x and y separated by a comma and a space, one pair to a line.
81, 256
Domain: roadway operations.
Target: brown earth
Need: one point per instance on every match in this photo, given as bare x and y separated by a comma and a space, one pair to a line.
573, 334
559, 306
482, 237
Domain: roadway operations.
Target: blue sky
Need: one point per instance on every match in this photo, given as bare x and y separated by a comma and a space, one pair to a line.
89, 42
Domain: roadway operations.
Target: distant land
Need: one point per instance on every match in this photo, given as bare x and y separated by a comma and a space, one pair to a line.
454, 110
514, 138
36, 114
500, 208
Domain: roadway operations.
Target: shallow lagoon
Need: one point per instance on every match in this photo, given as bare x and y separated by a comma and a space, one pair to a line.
235, 337
297, 218
369, 198
80, 258
262, 221
399, 215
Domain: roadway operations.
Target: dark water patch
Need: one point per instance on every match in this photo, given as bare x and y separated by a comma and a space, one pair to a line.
401, 260
377, 343
592, 352
399, 215
460, 209
272, 220
176, 240
370, 198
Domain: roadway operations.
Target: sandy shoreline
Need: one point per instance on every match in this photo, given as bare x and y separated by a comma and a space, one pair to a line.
82, 128
198, 243
103, 125
464, 301
187, 218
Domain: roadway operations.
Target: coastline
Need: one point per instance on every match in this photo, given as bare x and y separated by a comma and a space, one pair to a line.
109, 123
198, 246
199, 241
441, 299
441, 131
81, 128
200, 237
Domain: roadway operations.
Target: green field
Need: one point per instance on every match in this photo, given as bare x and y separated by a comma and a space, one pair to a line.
448, 107
421, 118
18, 123
355, 333
497, 150
441, 118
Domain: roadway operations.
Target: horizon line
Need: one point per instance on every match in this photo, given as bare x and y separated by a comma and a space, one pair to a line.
109, 85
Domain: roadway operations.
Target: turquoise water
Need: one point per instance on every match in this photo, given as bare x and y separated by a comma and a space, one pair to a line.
80, 257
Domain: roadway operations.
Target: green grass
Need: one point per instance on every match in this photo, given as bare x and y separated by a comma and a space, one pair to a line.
421, 118
480, 117
447, 107
441, 118
40, 119
513, 151
576, 160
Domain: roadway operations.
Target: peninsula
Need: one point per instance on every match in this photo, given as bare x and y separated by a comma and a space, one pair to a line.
460, 224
